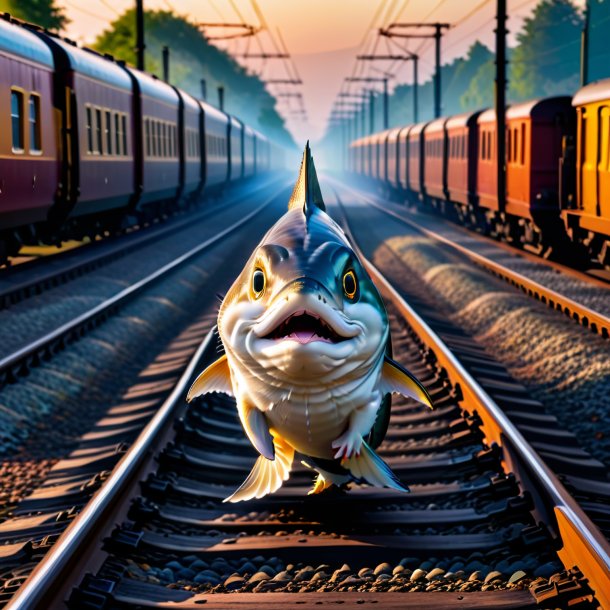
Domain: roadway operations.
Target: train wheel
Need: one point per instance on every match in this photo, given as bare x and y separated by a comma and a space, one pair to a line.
9, 246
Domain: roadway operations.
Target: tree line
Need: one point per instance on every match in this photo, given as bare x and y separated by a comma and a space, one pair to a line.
192, 58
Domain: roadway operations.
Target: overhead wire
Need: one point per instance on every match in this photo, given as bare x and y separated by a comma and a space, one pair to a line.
87, 12
109, 7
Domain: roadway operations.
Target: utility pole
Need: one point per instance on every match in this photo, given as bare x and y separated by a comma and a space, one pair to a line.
386, 105
166, 64
584, 47
415, 88
438, 28
370, 79
437, 69
221, 98
408, 56
500, 100
204, 89
140, 46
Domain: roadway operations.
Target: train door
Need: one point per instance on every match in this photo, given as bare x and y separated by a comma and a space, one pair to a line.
588, 159
603, 165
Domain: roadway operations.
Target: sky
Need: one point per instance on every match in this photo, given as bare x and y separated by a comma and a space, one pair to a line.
322, 36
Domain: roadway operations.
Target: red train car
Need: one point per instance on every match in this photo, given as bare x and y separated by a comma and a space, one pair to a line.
403, 157
487, 175
435, 159
393, 158
381, 140
415, 170
535, 132
462, 145
28, 143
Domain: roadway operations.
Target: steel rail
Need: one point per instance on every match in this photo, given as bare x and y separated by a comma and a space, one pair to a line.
583, 544
580, 313
52, 571
29, 354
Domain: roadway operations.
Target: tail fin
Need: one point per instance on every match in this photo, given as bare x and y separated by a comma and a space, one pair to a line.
266, 476
369, 468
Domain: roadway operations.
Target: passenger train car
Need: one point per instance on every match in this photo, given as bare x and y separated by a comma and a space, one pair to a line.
557, 171
87, 142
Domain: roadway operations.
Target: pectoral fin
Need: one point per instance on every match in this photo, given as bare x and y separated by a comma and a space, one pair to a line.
256, 428
369, 468
215, 378
395, 378
266, 476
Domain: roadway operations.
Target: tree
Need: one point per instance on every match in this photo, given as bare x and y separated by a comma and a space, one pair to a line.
44, 13
480, 92
547, 59
193, 58
466, 71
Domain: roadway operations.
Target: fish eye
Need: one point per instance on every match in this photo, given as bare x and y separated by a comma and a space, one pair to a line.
258, 283
350, 284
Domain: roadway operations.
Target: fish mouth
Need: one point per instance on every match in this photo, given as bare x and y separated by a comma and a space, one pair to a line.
304, 327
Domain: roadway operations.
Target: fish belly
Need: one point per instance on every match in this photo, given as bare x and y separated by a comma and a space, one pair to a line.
309, 426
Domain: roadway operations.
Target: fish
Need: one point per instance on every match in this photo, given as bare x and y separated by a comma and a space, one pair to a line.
307, 354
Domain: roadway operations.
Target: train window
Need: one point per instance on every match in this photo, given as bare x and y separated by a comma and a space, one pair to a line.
17, 120
483, 145
153, 127
522, 144
34, 120
108, 131
98, 131
602, 137
89, 129
509, 149
147, 136
117, 135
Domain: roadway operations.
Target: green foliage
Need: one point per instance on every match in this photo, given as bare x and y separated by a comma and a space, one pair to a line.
547, 59
480, 90
457, 80
40, 12
192, 58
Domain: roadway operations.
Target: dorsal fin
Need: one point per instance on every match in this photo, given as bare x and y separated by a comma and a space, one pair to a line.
307, 194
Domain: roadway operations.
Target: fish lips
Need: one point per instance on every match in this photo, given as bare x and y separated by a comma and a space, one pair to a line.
305, 319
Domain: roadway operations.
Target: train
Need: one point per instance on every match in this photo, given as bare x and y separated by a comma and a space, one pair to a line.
557, 172
89, 144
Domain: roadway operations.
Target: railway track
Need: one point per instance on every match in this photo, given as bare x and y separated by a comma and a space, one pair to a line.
32, 277
487, 524
22, 360
596, 321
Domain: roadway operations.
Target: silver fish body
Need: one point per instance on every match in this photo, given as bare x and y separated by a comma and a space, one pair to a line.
305, 334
